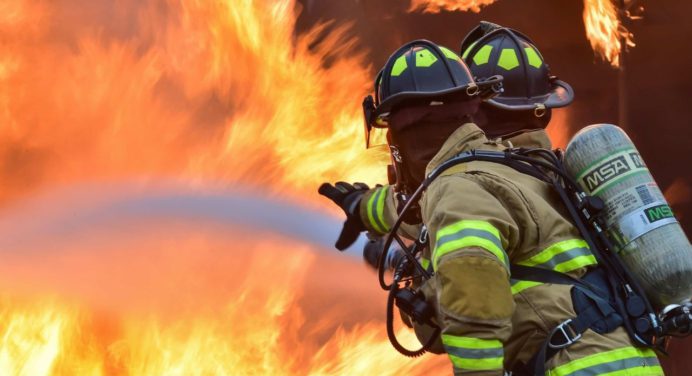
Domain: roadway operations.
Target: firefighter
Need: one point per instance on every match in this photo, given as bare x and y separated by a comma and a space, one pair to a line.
482, 216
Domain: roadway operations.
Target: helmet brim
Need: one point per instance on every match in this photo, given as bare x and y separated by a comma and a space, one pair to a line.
561, 95
460, 93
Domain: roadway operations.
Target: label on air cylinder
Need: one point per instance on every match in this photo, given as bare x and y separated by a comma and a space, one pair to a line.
641, 221
610, 170
630, 199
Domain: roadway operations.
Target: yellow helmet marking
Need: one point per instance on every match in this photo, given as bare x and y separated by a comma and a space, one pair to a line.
534, 59
425, 58
400, 65
508, 59
450, 54
483, 55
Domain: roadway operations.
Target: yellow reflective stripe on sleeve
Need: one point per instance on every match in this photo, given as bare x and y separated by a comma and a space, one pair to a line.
470, 342
639, 371
380, 209
519, 286
468, 353
623, 361
469, 233
564, 257
370, 212
468, 223
375, 210
576, 263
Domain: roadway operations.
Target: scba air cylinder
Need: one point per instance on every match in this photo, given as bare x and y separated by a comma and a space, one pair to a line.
639, 221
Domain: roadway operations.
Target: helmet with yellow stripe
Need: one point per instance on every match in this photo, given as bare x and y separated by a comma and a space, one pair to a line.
528, 85
422, 72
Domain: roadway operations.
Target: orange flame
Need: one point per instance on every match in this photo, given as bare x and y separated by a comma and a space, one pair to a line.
436, 6
204, 92
228, 87
605, 31
677, 194
209, 309
559, 130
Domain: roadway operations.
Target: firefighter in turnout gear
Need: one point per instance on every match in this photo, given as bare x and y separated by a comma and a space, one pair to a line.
483, 216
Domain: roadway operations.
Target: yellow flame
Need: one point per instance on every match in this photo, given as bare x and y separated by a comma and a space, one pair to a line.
604, 28
436, 6
216, 91
605, 31
221, 91
257, 322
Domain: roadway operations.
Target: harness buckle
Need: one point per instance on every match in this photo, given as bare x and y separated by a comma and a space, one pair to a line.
423, 236
570, 335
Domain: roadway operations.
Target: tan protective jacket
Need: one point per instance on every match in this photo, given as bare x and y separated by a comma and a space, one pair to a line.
482, 216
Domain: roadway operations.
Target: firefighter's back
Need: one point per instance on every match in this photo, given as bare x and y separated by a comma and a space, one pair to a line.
547, 239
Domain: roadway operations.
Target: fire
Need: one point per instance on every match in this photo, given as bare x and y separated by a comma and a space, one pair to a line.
558, 129
605, 31
436, 6
678, 193
218, 303
604, 27
200, 91
208, 94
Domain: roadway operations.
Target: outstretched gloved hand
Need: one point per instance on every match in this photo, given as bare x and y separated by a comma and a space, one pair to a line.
348, 197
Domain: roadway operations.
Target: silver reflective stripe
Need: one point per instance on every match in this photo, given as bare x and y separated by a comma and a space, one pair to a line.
469, 232
468, 353
564, 257
619, 365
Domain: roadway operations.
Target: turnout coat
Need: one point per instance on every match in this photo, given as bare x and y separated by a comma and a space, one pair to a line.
482, 216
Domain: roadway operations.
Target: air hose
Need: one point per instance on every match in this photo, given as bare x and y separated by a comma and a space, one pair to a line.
390, 329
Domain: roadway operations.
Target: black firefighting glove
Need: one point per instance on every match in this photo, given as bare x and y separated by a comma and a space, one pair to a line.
348, 197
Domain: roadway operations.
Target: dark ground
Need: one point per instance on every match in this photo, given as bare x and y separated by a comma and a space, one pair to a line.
657, 81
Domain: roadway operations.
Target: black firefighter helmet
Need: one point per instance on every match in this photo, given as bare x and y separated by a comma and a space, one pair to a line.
422, 72
490, 49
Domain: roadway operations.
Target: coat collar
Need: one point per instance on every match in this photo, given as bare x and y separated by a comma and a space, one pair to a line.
470, 137
466, 137
532, 139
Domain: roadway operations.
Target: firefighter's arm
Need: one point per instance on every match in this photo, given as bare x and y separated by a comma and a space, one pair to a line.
470, 233
378, 211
